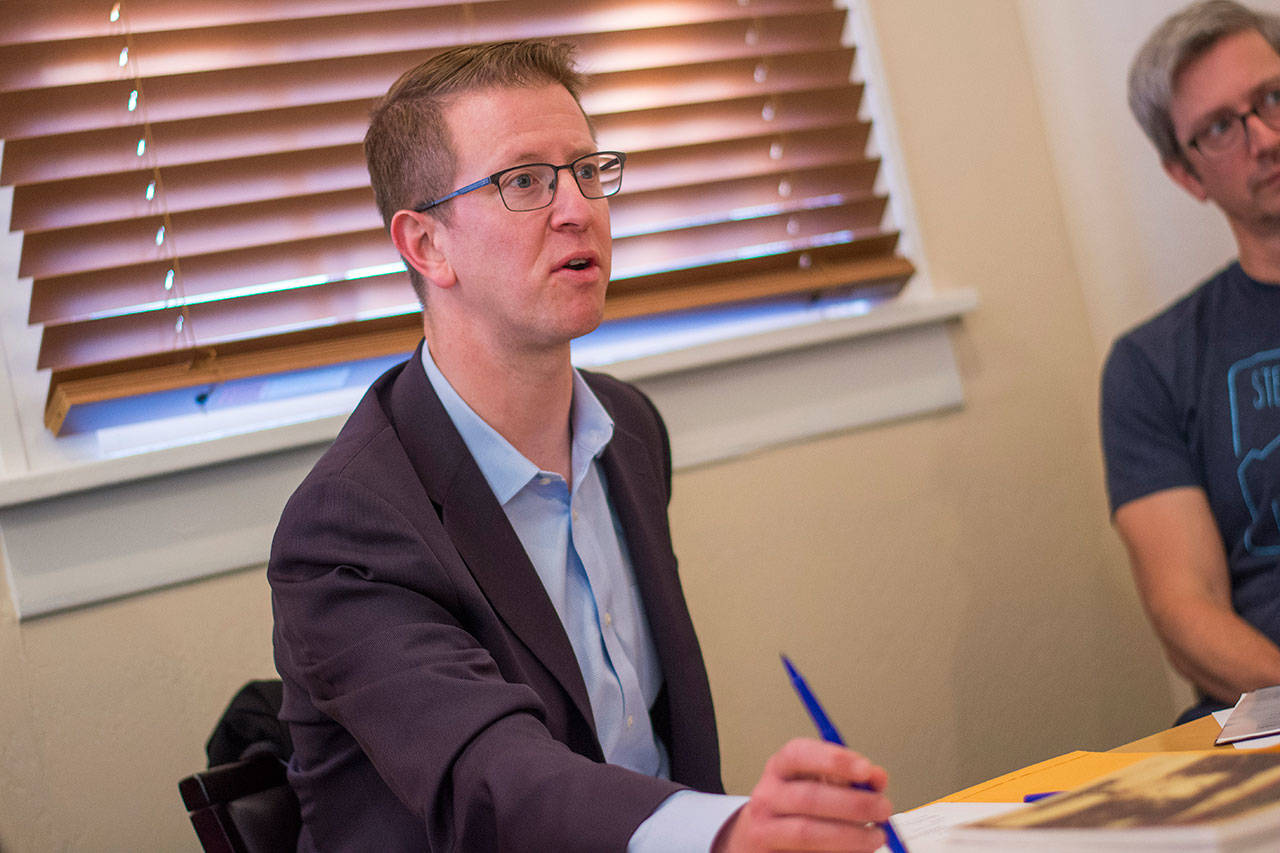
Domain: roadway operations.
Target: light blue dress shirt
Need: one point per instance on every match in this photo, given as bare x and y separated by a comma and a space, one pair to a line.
578, 548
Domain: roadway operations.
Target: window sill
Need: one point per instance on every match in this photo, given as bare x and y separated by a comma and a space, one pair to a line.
657, 370
114, 526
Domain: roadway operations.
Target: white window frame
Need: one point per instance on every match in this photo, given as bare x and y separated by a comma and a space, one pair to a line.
87, 518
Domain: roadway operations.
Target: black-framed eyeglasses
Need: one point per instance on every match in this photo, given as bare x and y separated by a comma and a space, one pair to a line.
532, 186
1228, 130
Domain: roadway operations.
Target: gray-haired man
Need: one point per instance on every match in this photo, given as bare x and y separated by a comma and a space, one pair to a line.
1191, 398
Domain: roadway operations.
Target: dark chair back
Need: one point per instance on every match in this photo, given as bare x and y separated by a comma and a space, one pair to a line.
243, 803
243, 807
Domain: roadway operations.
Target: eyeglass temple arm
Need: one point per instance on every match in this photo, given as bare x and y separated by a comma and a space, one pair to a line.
468, 188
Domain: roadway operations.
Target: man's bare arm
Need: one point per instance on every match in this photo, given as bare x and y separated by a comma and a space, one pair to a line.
1180, 567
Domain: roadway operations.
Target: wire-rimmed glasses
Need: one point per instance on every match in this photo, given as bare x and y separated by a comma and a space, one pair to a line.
532, 186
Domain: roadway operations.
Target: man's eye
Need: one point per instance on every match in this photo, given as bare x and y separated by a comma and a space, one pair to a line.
1219, 127
588, 171
1270, 100
520, 181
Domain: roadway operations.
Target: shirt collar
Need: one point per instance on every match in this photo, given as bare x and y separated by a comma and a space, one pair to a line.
592, 428
506, 469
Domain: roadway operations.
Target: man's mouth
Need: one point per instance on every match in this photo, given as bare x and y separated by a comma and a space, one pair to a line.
578, 263
1267, 181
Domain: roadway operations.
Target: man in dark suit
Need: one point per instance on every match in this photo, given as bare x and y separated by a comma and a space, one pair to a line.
478, 619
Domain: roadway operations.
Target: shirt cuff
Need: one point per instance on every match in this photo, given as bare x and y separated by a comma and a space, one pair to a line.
685, 822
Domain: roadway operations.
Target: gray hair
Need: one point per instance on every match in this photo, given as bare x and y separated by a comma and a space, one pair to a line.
1177, 42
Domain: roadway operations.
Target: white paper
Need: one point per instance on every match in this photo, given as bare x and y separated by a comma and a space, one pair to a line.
1252, 743
924, 830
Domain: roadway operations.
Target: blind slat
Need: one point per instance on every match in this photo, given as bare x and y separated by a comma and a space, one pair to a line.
207, 367
735, 119
115, 338
106, 198
201, 232
703, 245
184, 143
641, 213
324, 259
59, 20
735, 158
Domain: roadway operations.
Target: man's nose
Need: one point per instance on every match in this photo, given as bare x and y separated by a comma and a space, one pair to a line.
568, 201
563, 181
1259, 135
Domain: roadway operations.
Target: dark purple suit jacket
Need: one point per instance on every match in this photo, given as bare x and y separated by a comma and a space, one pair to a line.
433, 697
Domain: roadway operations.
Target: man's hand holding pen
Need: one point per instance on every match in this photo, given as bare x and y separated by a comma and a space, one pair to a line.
812, 795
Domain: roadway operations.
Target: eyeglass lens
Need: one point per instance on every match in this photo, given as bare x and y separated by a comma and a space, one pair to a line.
533, 186
1227, 132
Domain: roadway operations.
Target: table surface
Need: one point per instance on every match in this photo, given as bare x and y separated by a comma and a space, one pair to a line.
1076, 768
1197, 734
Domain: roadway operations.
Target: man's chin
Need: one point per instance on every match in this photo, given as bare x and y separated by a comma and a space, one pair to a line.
589, 324
1267, 220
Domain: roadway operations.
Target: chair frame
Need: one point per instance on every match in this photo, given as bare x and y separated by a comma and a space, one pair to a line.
207, 794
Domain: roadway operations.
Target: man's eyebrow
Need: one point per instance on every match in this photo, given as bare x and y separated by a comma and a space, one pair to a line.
1266, 85
528, 157
1256, 92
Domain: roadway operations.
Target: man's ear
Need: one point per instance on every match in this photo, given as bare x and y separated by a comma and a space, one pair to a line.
417, 238
1184, 177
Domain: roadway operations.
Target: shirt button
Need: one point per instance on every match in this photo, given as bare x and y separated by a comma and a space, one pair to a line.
575, 515
544, 481
608, 618
631, 721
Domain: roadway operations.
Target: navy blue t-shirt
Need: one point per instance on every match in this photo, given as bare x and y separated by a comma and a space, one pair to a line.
1192, 398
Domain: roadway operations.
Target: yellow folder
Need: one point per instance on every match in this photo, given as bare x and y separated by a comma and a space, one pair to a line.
1056, 774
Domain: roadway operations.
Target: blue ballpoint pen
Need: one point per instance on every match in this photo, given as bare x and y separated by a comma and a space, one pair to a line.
828, 731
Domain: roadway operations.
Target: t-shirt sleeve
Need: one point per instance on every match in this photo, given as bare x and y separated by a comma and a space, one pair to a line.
1144, 440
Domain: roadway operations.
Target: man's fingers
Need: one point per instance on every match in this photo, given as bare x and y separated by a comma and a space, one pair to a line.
812, 796
822, 799
807, 758
798, 833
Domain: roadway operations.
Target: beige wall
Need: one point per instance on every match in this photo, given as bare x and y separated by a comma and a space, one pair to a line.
102, 710
949, 584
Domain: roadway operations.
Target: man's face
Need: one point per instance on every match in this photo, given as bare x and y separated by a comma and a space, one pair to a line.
513, 283
1244, 182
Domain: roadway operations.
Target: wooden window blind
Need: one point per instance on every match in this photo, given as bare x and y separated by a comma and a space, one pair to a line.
189, 179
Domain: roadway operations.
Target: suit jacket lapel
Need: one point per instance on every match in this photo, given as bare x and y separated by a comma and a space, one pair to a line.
640, 500
478, 528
